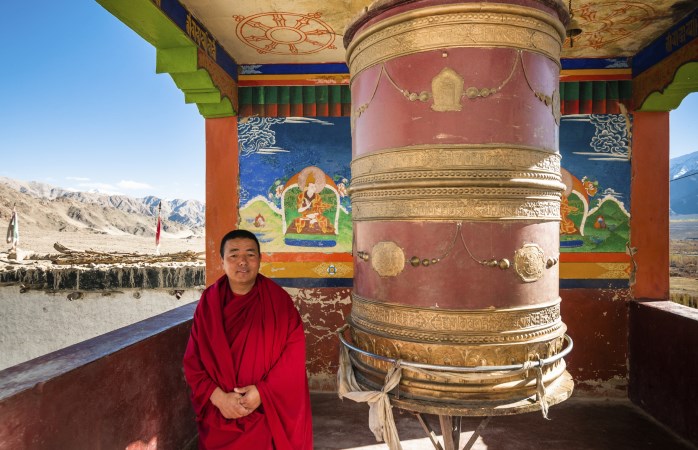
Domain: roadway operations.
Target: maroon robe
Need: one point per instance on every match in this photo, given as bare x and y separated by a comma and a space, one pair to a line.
240, 340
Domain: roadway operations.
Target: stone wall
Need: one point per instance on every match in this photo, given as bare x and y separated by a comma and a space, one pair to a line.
47, 308
101, 277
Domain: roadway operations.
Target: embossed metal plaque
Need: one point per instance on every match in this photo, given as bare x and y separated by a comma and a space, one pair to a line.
529, 262
387, 259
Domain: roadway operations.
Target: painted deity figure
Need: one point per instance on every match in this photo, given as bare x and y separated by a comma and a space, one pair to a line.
311, 206
566, 224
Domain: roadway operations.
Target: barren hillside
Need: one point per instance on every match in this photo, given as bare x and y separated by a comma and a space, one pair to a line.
100, 222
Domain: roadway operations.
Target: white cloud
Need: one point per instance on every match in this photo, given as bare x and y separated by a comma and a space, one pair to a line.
96, 185
272, 150
304, 120
100, 188
84, 184
250, 69
134, 185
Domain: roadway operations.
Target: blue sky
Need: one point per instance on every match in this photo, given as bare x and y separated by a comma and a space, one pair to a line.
683, 132
82, 108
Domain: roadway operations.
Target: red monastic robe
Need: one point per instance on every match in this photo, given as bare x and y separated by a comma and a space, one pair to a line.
240, 340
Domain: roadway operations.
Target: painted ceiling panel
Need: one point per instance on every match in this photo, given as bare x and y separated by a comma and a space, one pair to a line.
612, 28
269, 32
310, 31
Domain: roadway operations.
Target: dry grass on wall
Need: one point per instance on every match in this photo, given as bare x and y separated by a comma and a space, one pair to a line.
683, 269
685, 299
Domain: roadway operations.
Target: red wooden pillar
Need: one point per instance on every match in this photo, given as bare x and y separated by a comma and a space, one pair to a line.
649, 205
222, 198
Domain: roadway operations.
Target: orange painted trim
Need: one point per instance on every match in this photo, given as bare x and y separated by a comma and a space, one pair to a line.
594, 257
649, 203
251, 83
594, 271
315, 269
222, 196
293, 80
227, 86
564, 78
595, 74
307, 257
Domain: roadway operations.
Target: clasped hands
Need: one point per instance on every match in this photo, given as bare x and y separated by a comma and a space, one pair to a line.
238, 403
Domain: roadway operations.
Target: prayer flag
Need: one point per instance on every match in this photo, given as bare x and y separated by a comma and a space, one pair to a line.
157, 231
13, 229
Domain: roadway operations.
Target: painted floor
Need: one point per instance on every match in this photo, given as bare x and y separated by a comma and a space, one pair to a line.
577, 424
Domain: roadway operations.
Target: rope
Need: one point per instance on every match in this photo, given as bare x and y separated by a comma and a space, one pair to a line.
480, 377
381, 420
470, 377
424, 95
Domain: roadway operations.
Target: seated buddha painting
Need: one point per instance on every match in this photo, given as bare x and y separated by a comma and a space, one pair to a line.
310, 202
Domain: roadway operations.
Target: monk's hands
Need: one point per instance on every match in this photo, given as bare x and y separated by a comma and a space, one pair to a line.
229, 403
239, 403
250, 397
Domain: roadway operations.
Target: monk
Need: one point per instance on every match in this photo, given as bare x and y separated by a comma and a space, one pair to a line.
245, 360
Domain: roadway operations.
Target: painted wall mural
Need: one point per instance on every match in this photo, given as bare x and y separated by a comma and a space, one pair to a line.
596, 173
294, 176
595, 209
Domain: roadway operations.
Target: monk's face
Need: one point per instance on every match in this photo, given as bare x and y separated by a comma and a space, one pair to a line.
311, 189
241, 264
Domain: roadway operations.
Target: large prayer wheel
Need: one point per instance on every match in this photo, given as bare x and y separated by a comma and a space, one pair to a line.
455, 193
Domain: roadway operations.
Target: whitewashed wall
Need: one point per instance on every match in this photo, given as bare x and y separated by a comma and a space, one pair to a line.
36, 322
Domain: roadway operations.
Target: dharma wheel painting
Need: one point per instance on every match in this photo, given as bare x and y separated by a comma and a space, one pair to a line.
294, 176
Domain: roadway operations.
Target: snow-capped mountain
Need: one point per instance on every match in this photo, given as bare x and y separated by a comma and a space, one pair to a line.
683, 184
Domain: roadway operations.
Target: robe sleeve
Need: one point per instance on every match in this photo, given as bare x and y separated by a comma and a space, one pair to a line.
200, 383
285, 395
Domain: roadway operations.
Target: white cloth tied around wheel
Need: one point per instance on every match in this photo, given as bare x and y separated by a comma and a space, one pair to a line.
380, 415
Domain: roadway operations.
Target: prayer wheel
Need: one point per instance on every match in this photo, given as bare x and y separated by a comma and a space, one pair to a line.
456, 191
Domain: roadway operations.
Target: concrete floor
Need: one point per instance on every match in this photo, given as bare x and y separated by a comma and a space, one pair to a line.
576, 424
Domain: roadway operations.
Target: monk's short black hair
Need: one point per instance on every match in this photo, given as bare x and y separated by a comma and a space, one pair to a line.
239, 234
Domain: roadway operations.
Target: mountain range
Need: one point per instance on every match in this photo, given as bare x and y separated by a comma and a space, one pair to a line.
683, 184
51, 208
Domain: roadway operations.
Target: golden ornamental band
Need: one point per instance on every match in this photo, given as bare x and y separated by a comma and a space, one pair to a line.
451, 26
